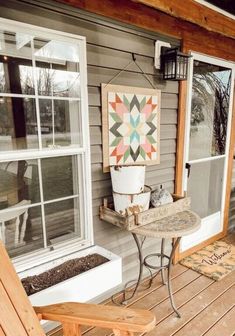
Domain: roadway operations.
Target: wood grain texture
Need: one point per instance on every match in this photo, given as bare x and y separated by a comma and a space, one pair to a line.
182, 297
198, 297
8, 316
122, 333
71, 329
180, 138
198, 38
134, 320
15, 292
160, 294
194, 307
196, 13
229, 170
18, 318
2, 333
225, 326
208, 317
180, 144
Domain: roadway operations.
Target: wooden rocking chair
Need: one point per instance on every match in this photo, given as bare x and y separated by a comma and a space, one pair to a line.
18, 318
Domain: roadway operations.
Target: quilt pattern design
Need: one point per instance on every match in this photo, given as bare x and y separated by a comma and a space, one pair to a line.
133, 128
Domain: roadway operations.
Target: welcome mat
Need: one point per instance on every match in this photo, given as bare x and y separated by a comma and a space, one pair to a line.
215, 261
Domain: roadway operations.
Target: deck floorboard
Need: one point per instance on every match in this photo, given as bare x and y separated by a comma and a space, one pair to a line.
207, 307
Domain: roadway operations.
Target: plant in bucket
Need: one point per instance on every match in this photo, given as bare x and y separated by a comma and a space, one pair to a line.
130, 195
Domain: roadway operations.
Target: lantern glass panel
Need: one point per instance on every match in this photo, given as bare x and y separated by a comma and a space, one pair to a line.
175, 65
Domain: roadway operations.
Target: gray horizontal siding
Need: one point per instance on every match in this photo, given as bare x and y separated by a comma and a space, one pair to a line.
109, 50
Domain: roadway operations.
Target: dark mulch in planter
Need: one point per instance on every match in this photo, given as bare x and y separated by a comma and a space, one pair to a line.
68, 269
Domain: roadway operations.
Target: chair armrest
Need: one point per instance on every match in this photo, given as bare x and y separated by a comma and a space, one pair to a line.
126, 319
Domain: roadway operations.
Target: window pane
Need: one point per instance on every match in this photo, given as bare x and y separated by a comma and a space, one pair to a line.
18, 124
209, 113
16, 75
18, 182
205, 186
60, 124
62, 220
59, 177
25, 237
57, 68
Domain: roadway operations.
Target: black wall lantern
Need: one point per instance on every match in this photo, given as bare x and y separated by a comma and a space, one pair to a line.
174, 64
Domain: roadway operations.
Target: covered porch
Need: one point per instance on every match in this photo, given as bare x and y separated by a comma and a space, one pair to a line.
55, 57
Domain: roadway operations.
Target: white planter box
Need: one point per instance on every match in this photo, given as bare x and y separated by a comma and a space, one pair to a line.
83, 287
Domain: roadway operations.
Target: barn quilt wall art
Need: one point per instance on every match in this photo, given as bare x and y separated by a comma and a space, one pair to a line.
130, 125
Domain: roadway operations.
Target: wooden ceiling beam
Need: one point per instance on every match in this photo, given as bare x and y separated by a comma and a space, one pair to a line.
196, 13
195, 38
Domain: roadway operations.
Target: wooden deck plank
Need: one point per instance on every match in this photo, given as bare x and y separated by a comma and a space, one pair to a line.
2, 332
163, 310
209, 316
172, 324
225, 327
161, 294
207, 307
177, 271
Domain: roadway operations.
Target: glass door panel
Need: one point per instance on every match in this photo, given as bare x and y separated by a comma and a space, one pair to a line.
209, 110
205, 186
207, 144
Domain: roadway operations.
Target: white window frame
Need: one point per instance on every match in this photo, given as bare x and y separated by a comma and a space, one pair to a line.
85, 194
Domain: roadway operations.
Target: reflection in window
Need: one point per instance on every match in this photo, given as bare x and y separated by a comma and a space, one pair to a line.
60, 177
19, 181
21, 193
57, 68
28, 235
39, 113
55, 82
209, 112
59, 122
62, 220
2, 78
18, 123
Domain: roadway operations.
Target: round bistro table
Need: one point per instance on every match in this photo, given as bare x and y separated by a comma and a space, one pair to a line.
172, 227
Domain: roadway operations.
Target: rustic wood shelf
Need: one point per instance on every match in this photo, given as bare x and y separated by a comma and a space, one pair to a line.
137, 220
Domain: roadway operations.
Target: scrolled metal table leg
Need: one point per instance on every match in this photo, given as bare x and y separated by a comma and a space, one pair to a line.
174, 247
162, 261
141, 265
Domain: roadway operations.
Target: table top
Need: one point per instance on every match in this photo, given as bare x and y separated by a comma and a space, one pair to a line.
178, 225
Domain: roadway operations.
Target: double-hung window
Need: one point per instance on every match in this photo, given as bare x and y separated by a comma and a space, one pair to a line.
45, 187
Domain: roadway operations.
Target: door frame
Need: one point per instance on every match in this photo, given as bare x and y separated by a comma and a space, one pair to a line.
182, 145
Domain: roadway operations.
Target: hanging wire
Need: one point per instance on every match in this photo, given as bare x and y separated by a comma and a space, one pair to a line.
145, 75
119, 73
126, 67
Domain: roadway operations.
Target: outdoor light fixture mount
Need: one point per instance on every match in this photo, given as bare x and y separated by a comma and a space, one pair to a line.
174, 64
171, 61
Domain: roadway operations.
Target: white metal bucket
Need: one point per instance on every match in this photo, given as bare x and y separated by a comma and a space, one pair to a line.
128, 179
127, 204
